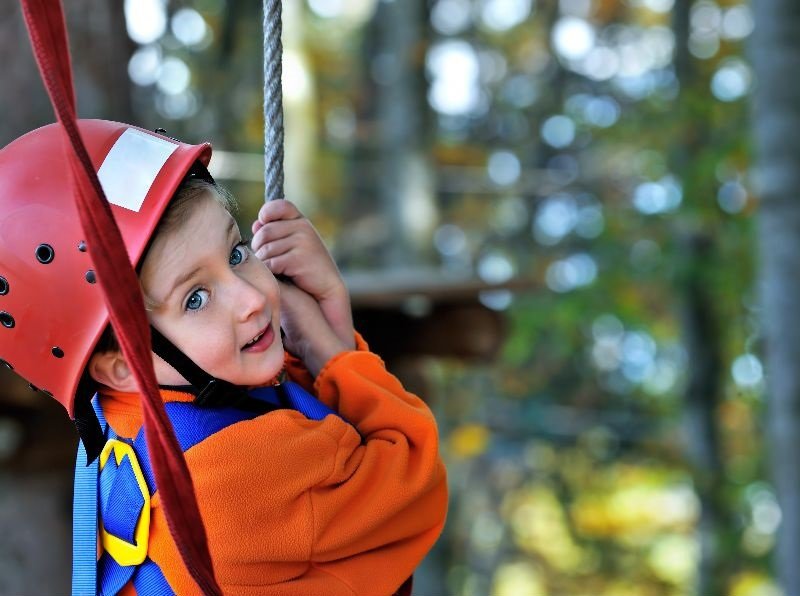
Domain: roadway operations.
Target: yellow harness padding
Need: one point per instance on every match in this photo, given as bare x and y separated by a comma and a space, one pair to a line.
124, 552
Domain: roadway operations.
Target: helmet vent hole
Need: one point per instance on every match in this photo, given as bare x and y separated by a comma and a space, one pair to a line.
6, 320
45, 254
57, 352
91, 277
3, 286
6, 364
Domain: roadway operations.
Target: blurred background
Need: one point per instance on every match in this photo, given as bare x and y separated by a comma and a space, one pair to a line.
543, 210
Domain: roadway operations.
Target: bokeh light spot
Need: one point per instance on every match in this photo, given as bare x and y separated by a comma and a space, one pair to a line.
502, 15
495, 268
747, 371
451, 17
737, 23
189, 27
174, 77
576, 271
145, 65
573, 38
450, 240
731, 81
558, 131
145, 20
732, 196
455, 70
504, 168
555, 218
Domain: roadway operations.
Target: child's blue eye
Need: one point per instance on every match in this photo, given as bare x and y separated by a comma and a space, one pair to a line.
239, 254
197, 300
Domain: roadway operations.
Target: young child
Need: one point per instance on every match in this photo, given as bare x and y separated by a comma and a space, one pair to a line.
345, 500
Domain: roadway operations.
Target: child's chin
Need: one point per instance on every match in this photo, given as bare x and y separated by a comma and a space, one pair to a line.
273, 377
266, 367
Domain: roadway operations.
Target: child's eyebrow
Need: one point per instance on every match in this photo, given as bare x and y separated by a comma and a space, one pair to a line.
184, 277
180, 280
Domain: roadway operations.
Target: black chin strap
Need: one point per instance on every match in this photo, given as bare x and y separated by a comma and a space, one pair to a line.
211, 390
86, 420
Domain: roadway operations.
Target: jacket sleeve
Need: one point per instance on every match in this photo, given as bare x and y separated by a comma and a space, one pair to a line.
385, 498
297, 371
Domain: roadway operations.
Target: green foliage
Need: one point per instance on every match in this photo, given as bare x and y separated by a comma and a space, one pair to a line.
571, 467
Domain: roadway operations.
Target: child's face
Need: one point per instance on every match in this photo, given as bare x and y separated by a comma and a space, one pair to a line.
212, 298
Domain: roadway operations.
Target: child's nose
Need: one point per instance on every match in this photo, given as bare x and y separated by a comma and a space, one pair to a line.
249, 298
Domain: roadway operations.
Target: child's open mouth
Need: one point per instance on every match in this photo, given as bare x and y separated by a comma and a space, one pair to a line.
261, 341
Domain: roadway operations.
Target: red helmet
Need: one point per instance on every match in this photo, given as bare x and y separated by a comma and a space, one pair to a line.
51, 311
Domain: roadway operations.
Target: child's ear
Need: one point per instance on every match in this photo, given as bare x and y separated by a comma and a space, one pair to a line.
111, 370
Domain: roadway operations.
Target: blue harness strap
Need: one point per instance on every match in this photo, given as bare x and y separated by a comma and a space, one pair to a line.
114, 491
147, 577
84, 526
296, 398
192, 425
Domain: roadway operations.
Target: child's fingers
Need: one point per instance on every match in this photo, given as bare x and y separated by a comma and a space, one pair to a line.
274, 248
269, 233
280, 209
277, 230
273, 211
281, 264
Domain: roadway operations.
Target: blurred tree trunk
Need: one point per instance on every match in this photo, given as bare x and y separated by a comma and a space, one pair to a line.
400, 102
700, 329
23, 102
394, 48
100, 49
775, 54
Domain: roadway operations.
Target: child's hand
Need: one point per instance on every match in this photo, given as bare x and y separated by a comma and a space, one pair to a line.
309, 336
289, 245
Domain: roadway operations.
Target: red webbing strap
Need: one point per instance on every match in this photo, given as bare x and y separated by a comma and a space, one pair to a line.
120, 287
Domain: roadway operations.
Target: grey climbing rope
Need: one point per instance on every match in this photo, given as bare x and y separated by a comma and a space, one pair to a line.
273, 101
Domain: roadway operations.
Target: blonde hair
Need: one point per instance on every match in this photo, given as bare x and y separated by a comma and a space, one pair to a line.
182, 203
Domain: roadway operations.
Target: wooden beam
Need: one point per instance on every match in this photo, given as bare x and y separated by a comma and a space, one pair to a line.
395, 287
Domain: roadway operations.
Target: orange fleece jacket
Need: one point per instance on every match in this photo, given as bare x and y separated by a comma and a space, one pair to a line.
294, 506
